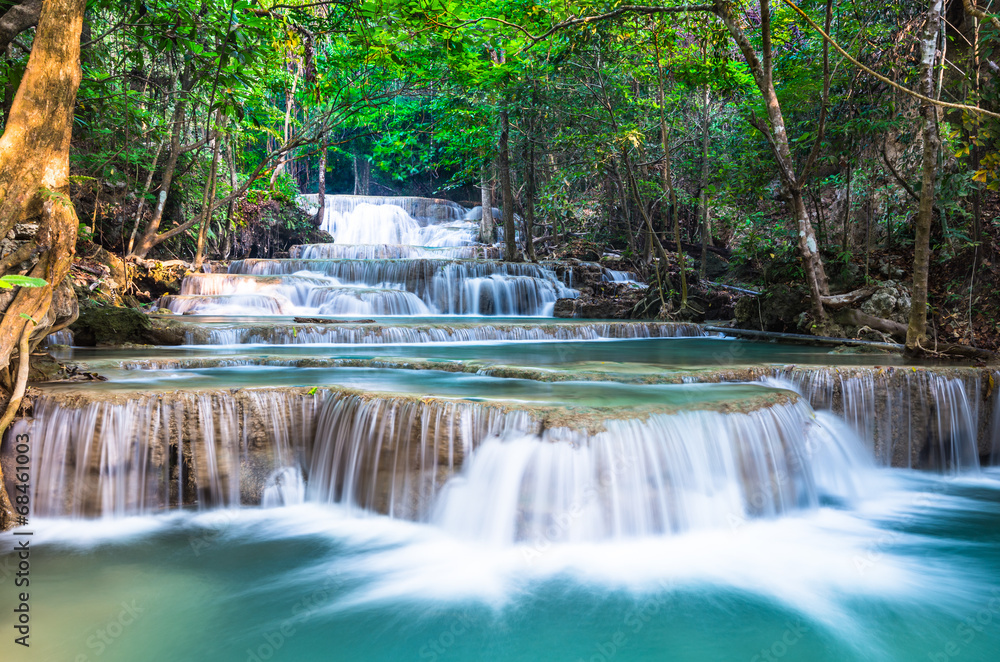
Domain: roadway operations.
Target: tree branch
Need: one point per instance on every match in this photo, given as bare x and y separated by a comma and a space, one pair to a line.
899, 178
17, 19
880, 77
28, 250
971, 10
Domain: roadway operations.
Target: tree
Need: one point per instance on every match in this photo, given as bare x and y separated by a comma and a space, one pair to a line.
792, 178
916, 331
34, 177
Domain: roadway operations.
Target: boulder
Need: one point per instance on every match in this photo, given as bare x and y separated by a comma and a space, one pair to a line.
777, 308
890, 301
715, 265
109, 325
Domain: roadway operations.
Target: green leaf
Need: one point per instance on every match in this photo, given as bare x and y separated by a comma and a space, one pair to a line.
14, 280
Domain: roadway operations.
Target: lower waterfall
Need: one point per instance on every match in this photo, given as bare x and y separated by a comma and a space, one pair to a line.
527, 468
659, 476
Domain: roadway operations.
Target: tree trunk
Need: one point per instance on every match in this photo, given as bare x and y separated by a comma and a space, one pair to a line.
208, 194
487, 226
509, 231
362, 176
142, 198
706, 232
916, 332
321, 186
234, 183
529, 194
289, 105
668, 179
846, 223
149, 237
623, 196
775, 131
34, 169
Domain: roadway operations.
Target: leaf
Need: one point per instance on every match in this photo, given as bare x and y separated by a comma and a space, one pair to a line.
16, 280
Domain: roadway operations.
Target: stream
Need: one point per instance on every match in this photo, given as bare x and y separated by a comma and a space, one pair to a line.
441, 470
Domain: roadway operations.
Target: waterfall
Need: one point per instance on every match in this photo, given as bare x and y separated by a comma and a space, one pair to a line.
662, 475
908, 417
485, 468
613, 276
391, 252
285, 487
64, 337
227, 304
993, 391
275, 334
426, 248
386, 220
282, 287
425, 210
113, 456
356, 301
392, 455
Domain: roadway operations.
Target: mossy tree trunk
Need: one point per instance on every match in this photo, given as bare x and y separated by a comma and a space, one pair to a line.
34, 169
917, 328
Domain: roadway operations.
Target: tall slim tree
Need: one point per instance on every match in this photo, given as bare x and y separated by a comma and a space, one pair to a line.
794, 179
916, 332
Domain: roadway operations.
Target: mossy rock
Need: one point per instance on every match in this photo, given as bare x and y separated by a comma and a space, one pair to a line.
44, 368
110, 326
777, 309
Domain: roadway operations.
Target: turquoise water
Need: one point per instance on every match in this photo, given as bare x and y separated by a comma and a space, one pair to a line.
912, 574
428, 382
673, 353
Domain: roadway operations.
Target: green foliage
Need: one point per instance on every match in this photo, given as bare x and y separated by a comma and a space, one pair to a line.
15, 280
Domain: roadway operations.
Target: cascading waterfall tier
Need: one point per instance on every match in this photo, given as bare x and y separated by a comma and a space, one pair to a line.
391, 252
432, 286
101, 454
105, 454
910, 417
110, 454
425, 210
353, 219
288, 334
423, 247
660, 475
940, 418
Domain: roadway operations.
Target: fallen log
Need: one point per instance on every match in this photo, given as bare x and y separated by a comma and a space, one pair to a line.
838, 301
857, 318
949, 350
802, 339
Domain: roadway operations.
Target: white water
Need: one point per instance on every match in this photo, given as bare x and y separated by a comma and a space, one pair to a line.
660, 476
935, 416
383, 245
384, 334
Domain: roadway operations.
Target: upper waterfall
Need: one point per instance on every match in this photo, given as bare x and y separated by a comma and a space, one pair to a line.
390, 256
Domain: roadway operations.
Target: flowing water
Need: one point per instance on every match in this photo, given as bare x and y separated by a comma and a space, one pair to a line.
463, 478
